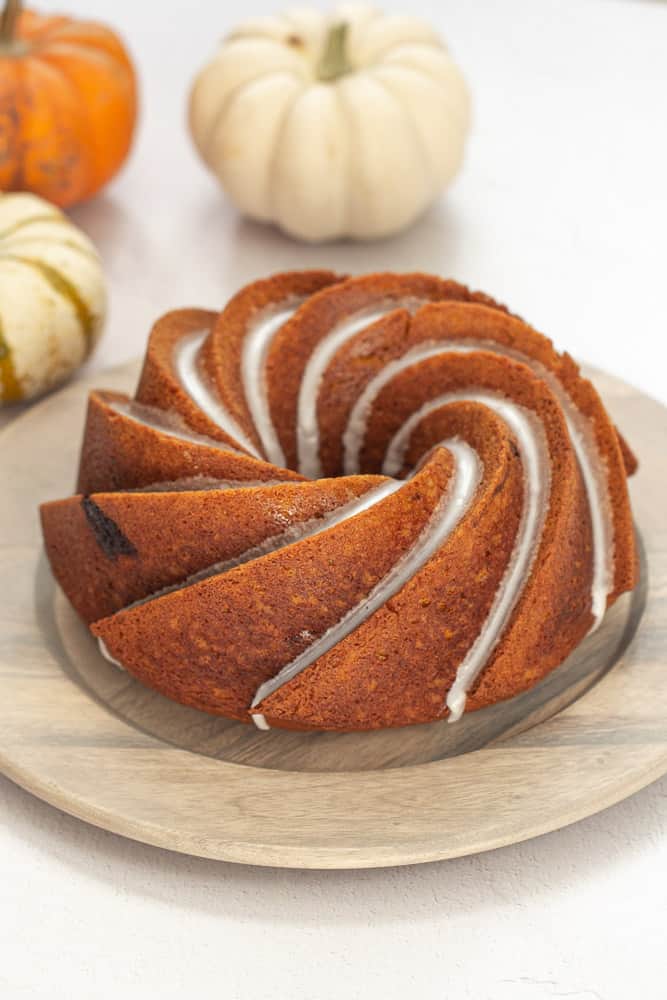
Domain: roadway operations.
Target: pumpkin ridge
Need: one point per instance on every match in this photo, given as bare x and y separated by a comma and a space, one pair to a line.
64, 287
40, 27
387, 47
10, 390
31, 220
455, 112
69, 24
43, 59
351, 163
82, 52
44, 240
82, 35
65, 122
275, 151
16, 143
233, 94
425, 156
395, 56
348, 157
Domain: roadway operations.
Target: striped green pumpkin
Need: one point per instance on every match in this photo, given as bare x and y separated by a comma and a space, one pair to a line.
52, 296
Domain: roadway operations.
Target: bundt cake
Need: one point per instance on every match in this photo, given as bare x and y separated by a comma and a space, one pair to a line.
346, 504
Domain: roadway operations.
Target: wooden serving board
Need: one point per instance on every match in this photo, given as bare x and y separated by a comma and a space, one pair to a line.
88, 738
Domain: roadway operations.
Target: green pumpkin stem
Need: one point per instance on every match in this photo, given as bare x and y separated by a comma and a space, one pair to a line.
8, 19
334, 62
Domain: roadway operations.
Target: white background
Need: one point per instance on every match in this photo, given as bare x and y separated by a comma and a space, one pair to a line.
562, 212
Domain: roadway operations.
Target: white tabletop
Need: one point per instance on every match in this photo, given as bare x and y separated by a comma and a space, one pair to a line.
562, 212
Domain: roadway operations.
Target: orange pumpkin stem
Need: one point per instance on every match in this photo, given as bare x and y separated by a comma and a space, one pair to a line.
8, 19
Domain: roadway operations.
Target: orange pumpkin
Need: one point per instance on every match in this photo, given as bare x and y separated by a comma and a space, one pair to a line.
67, 105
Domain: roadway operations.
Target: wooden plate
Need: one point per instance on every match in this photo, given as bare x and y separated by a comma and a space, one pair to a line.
89, 739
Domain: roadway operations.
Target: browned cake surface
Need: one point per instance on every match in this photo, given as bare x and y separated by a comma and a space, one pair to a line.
290, 350
221, 356
111, 549
552, 616
120, 453
159, 385
456, 321
212, 644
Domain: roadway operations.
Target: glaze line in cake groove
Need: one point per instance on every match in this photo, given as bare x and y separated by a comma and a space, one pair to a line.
159, 420
452, 507
307, 427
186, 365
532, 449
255, 347
590, 462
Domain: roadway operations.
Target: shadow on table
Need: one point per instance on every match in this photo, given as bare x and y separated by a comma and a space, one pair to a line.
107, 222
548, 865
430, 244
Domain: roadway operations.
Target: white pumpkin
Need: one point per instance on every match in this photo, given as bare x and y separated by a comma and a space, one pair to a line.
52, 296
347, 124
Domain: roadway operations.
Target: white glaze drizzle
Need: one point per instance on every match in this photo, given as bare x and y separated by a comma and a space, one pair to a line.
594, 473
308, 435
532, 449
102, 646
450, 510
186, 367
590, 461
166, 423
355, 431
256, 343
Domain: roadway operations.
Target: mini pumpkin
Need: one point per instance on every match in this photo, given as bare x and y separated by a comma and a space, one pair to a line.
342, 125
67, 105
52, 296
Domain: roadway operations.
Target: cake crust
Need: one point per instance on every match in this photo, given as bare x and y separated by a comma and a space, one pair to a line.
346, 504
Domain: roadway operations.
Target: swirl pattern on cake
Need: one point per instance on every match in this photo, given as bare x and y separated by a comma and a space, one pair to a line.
346, 503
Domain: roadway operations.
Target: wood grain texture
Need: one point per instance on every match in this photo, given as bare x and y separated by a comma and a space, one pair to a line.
91, 741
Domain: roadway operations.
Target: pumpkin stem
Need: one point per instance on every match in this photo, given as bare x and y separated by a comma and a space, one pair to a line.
8, 20
334, 61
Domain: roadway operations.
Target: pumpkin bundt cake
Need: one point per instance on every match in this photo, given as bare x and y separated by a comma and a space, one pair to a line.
346, 503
